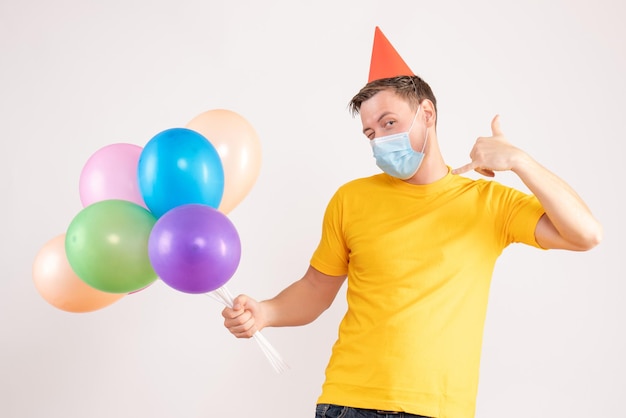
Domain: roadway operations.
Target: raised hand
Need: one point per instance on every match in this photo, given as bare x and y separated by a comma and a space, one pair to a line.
491, 154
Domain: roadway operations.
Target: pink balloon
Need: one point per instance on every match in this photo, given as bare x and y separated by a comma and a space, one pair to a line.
111, 173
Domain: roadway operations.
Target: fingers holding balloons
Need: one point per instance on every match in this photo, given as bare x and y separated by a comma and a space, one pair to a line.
244, 318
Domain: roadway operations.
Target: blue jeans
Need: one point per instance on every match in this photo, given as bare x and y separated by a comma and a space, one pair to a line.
325, 410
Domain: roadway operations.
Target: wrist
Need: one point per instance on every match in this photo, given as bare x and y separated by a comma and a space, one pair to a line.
265, 317
521, 162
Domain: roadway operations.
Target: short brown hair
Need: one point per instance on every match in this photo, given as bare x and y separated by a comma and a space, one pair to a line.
412, 88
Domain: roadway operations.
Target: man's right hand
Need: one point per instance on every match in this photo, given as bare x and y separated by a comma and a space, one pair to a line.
244, 318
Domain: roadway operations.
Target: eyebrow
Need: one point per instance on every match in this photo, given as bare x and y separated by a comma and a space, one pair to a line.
377, 120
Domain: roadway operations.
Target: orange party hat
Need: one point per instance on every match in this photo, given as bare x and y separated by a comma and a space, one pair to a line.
386, 62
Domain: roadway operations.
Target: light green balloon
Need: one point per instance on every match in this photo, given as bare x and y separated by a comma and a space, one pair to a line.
107, 246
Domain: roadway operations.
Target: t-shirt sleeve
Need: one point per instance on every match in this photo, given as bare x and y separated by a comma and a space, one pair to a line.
519, 213
332, 254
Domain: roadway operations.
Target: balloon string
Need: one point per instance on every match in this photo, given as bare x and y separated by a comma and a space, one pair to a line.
224, 296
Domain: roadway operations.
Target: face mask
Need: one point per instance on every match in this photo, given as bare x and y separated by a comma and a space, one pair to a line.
395, 156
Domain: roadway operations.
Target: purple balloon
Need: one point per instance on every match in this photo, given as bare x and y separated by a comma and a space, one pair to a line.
194, 248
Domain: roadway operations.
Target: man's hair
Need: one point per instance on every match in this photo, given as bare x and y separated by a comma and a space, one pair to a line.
412, 88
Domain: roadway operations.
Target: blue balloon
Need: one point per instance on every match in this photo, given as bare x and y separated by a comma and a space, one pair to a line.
177, 167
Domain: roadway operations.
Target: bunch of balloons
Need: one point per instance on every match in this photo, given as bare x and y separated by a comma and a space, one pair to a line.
158, 211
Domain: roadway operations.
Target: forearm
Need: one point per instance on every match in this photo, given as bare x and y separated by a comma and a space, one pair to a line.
567, 212
303, 301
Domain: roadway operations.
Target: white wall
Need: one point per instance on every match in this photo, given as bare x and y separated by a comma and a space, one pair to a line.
77, 75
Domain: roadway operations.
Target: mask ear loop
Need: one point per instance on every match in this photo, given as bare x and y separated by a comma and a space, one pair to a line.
418, 109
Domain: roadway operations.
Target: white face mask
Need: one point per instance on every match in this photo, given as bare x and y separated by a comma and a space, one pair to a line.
394, 154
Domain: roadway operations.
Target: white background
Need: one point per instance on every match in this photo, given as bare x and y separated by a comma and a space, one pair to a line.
79, 75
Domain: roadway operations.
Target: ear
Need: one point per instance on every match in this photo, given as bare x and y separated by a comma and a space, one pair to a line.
430, 113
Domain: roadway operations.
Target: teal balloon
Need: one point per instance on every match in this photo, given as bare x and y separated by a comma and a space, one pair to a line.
177, 167
106, 245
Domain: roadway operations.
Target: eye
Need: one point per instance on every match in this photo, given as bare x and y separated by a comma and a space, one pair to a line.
389, 123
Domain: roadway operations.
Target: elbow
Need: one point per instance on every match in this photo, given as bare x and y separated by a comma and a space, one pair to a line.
592, 238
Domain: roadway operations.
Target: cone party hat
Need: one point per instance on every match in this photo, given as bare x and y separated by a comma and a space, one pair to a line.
386, 62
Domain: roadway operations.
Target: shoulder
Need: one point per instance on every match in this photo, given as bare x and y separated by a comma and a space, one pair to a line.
482, 185
357, 190
364, 183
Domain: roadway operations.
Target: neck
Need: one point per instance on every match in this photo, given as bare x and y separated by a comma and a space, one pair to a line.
433, 166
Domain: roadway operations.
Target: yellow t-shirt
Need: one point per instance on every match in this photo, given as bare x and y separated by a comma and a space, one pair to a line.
419, 261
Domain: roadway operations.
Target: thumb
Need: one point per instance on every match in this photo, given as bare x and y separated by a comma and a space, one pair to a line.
239, 302
495, 126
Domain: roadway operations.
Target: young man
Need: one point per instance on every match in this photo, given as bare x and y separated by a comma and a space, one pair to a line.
418, 244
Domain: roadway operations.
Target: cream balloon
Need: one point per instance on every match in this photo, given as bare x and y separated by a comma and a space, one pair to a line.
239, 148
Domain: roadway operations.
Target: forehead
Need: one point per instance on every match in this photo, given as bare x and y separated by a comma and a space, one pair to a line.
385, 101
